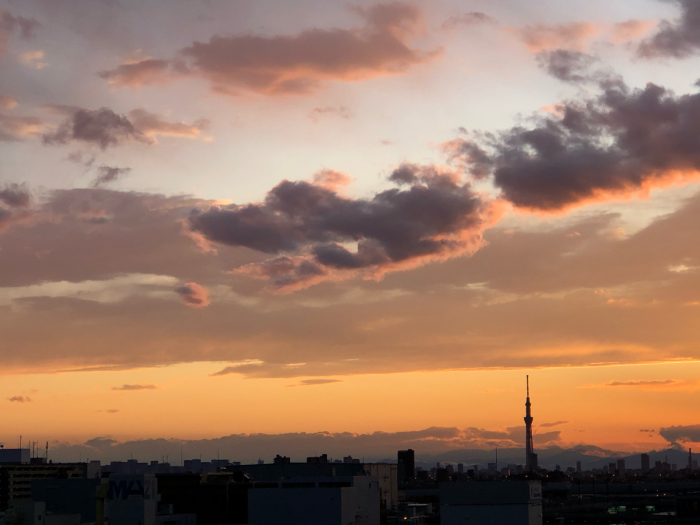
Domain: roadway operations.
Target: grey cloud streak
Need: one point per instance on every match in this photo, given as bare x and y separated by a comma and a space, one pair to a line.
105, 128
621, 142
133, 388
108, 174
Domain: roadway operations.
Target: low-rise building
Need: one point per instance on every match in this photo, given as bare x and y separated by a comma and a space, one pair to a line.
491, 503
315, 501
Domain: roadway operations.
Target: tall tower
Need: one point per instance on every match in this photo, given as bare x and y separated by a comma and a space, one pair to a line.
530, 462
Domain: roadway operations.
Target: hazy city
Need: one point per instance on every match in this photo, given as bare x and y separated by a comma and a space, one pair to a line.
344, 262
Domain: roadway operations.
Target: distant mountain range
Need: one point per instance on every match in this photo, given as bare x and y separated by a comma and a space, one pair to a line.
590, 457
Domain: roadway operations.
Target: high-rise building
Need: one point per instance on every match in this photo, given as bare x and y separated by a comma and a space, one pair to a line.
645, 463
690, 460
529, 448
407, 458
578, 467
621, 466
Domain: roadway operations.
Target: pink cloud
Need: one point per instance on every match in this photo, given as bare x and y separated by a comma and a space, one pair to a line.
291, 64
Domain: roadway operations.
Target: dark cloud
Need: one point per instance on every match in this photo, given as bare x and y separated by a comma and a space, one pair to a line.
555, 424
566, 65
194, 295
100, 442
435, 217
468, 19
104, 128
130, 388
15, 196
291, 64
621, 143
647, 430
108, 174
641, 383
9, 25
677, 39
19, 399
681, 433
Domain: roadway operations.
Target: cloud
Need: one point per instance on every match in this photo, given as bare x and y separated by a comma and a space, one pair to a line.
567, 66
7, 102
642, 383
108, 174
468, 19
540, 37
66, 281
623, 32
240, 367
132, 388
681, 433
151, 126
311, 382
338, 111
307, 227
647, 430
675, 39
19, 399
469, 443
104, 128
15, 195
113, 290
9, 25
291, 64
194, 295
100, 442
32, 59
618, 145
332, 180
555, 424
14, 128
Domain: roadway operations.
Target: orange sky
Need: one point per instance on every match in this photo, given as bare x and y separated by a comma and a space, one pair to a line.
255, 217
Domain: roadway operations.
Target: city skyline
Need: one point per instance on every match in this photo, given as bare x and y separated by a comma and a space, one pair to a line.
366, 219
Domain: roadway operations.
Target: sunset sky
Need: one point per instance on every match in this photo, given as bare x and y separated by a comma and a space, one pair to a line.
251, 216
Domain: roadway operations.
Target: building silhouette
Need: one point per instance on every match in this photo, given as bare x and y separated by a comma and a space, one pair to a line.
407, 459
530, 456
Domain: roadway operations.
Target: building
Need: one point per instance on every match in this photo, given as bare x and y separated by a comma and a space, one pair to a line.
621, 467
14, 455
407, 464
386, 474
645, 463
68, 497
132, 500
16, 478
688, 509
491, 503
315, 501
